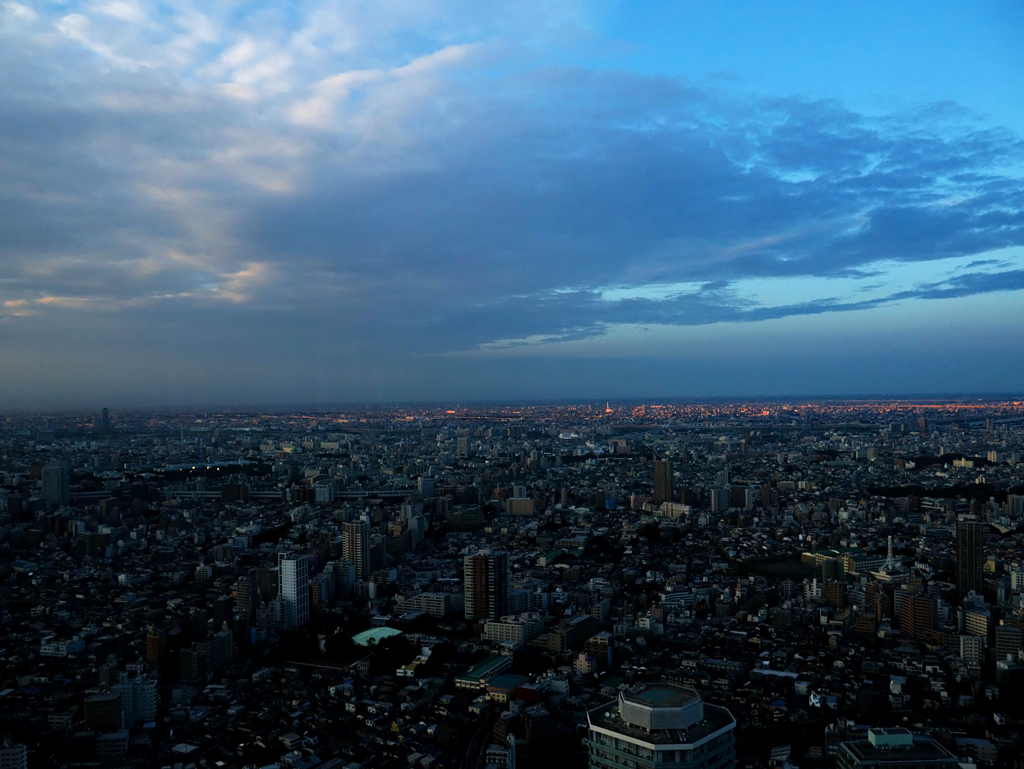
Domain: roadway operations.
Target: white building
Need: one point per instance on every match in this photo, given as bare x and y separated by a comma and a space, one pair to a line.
294, 589
658, 725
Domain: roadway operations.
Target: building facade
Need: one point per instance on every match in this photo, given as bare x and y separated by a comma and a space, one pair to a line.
486, 582
970, 557
355, 547
662, 481
294, 571
660, 726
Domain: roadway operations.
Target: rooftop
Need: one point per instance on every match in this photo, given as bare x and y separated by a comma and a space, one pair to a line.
922, 749
661, 695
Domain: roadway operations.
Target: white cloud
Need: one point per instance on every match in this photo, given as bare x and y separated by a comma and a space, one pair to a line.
123, 10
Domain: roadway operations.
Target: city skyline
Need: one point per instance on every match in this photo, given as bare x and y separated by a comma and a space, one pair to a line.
325, 202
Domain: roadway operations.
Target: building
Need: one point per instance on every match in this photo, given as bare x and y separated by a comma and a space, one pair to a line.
156, 648
970, 557
103, 712
13, 755
1008, 641
486, 582
662, 481
294, 571
519, 506
894, 749
917, 616
56, 484
247, 595
971, 649
355, 546
661, 724
435, 604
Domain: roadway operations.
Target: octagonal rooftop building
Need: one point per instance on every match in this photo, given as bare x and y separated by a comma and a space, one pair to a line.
661, 725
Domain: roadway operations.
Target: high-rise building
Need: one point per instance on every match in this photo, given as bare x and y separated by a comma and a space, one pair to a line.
56, 482
486, 584
295, 589
355, 546
917, 616
661, 724
662, 481
970, 557
156, 649
465, 448
247, 596
1008, 641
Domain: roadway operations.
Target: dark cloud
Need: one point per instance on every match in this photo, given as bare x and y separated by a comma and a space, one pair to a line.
440, 208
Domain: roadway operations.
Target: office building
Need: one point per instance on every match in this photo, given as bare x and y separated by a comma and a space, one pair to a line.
294, 590
659, 725
970, 557
486, 583
56, 482
662, 481
894, 749
355, 547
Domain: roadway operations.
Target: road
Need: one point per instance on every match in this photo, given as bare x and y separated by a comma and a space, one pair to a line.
477, 746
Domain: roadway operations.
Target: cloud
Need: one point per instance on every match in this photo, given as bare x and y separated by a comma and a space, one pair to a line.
383, 180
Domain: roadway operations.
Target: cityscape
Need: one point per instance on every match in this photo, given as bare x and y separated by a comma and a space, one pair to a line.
562, 384
753, 584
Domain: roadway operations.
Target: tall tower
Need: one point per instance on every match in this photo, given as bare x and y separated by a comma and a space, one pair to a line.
295, 589
247, 595
485, 579
56, 481
355, 546
970, 557
662, 481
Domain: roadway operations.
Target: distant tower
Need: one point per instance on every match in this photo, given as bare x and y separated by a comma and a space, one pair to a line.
355, 546
970, 557
662, 481
56, 483
105, 421
295, 589
890, 563
486, 580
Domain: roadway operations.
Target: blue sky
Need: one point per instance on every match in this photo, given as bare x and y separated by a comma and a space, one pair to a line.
243, 203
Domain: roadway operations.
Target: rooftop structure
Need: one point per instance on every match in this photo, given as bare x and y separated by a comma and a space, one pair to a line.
656, 724
896, 748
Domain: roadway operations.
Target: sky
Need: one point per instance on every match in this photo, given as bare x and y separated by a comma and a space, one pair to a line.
241, 203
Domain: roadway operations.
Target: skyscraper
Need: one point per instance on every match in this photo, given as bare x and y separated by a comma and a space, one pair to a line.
355, 546
970, 557
295, 589
56, 480
485, 579
662, 481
